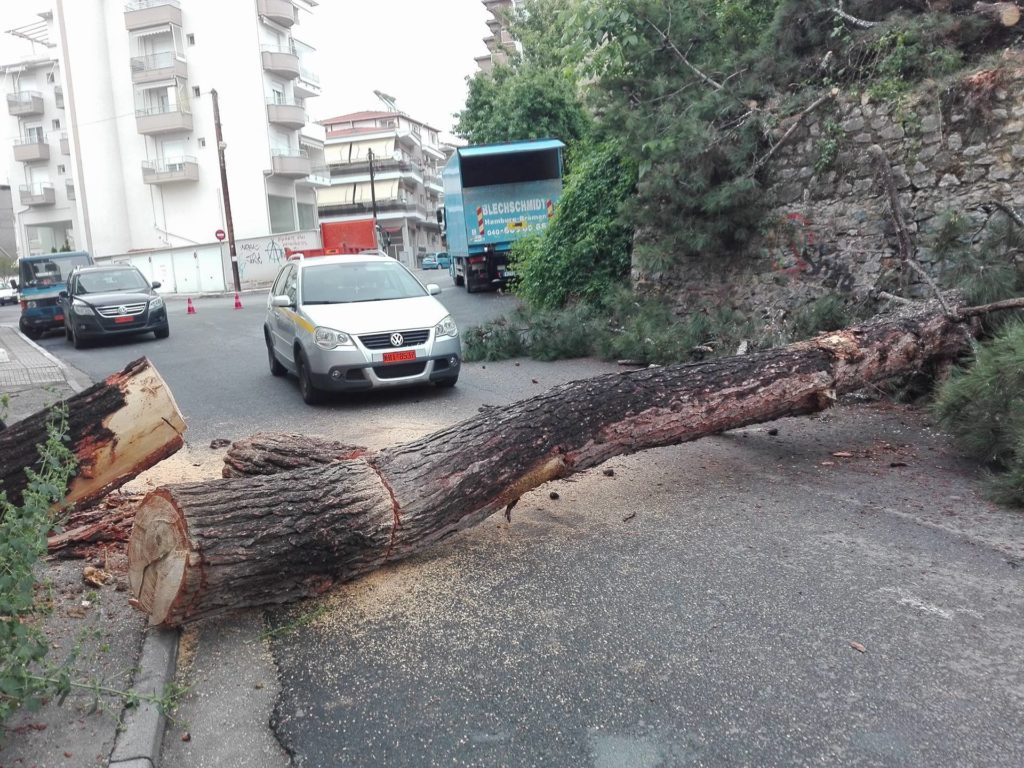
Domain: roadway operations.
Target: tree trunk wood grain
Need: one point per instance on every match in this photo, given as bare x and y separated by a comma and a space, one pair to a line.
199, 549
117, 428
1007, 14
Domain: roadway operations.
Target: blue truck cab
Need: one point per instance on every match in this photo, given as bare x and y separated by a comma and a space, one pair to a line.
495, 194
41, 278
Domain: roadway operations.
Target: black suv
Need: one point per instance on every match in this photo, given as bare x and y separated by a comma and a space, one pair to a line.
111, 301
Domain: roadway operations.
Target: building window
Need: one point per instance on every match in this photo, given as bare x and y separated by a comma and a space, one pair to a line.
61, 170
202, 143
282, 213
307, 216
56, 125
195, 91
190, 39
50, 77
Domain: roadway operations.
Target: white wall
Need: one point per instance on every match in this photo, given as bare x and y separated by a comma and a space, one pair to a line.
206, 268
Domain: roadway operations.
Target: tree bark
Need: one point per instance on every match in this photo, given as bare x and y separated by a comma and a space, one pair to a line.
200, 549
270, 453
116, 429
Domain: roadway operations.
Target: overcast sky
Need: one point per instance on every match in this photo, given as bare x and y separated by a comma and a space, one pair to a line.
419, 51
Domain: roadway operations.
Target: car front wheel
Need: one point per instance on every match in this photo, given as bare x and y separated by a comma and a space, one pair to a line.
162, 333
310, 394
77, 341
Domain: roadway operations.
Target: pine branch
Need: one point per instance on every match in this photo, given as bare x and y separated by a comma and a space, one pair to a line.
995, 306
789, 132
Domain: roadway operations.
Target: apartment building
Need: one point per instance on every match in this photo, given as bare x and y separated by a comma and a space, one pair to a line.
407, 157
500, 44
114, 139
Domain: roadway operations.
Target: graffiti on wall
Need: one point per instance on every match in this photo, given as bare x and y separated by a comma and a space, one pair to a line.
796, 250
259, 258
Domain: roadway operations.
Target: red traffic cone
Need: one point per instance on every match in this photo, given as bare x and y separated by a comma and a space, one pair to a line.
238, 301
191, 309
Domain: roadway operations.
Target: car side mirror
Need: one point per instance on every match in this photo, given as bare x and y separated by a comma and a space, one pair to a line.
62, 295
433, 289
280, 301
155, 284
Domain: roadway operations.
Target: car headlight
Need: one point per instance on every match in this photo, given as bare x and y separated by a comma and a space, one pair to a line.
446, 327
156, 303
328, 338
81, 308
32, 304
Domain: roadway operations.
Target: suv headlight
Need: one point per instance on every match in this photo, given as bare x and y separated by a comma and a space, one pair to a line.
156, 303
328, 338
446, 327
81, 308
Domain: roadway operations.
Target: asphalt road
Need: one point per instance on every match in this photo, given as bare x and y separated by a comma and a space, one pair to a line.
747, 600
215, 364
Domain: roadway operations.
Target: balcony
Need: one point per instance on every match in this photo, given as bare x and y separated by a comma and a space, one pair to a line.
407, 208
291, 163
65, 145
69, 188
37, 194
151, 13
31, 150
288, 115
170, 170
319, 176
163, 119
278, 11
25, 103
158, 66
281, 61
308, 84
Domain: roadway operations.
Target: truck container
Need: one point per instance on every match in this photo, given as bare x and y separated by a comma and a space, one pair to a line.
495, 194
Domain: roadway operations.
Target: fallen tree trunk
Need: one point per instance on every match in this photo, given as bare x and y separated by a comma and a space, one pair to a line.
116, 429
203, 548
1007, 14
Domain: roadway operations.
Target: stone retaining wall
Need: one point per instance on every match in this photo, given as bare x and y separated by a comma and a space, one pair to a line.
830, 229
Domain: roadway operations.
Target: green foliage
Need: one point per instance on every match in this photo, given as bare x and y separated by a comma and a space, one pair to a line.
983, 262
585, 252
620, 327
983, 408
23, 531
828, 146
523, 101
829, 313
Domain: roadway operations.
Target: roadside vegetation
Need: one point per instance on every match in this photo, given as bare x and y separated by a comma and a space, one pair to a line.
668, 107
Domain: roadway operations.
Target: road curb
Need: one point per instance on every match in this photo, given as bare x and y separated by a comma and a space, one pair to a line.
138, 744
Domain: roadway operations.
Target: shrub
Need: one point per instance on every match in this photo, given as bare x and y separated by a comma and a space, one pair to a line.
585, 252
983, 408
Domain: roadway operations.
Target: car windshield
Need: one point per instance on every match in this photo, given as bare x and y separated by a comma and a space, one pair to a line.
112, 281
53, 269
358, 281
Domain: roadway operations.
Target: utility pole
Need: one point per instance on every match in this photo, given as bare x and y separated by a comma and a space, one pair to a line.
373, 198
230, 226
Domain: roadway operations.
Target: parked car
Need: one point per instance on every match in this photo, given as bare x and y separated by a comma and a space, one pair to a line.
346, 323
100, 302
8, 295
429, 262
443, 260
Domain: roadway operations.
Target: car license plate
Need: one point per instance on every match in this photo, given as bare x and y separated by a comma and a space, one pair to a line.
123, 319
400, 357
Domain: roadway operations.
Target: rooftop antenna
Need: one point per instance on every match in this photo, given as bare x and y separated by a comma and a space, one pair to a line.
389, 101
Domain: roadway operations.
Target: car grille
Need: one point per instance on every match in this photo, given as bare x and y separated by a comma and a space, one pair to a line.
400, 370
383, 340
129, 309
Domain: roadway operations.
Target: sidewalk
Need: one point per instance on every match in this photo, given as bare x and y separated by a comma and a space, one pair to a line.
95, 624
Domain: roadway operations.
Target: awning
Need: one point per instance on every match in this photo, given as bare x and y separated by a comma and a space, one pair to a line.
510, 147
152, 32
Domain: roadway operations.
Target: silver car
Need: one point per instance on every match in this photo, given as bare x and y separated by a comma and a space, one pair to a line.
346, 323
